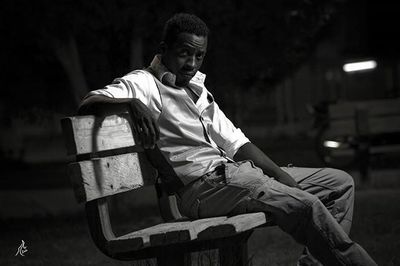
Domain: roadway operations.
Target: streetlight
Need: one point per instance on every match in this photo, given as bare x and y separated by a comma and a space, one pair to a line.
359, 66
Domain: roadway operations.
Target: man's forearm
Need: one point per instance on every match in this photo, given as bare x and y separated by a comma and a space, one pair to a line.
249, 151
101, 105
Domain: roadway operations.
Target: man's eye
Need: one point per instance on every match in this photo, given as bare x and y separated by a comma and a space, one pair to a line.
183, 53
200, 56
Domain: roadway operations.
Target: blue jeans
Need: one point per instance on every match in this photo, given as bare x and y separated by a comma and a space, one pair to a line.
318, 215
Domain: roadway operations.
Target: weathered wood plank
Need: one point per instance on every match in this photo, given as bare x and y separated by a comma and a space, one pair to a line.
176, 235
182, 231
234, 224
159, 229
199, 226
129, 244
102, 177
244, 222
208, 228
87, 134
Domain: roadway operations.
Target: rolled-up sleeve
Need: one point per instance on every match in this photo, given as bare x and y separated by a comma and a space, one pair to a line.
137, 84
117, 89
225, 134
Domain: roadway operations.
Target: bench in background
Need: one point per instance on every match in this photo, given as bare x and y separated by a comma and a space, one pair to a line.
371, 127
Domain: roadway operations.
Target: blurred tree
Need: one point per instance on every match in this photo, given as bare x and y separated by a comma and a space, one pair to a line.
57, 25
252, 43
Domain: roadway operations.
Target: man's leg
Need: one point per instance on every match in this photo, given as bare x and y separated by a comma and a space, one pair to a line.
334, 188
297, 212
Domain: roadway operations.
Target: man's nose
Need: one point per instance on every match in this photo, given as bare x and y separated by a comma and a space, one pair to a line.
191, 62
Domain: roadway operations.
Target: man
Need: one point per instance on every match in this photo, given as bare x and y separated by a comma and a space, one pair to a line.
212, 166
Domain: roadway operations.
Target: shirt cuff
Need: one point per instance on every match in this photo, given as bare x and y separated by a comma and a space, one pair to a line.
234, 146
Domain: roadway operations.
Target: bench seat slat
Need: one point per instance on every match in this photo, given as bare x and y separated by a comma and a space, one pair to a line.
233, 225
244, 222
177, 232
125, 245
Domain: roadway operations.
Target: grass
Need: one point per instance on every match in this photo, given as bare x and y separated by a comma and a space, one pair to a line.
66, 241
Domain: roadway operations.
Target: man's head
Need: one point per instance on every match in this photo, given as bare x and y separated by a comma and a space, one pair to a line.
184, 46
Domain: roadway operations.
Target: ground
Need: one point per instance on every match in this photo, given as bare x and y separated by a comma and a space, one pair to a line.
55, 232
66, 241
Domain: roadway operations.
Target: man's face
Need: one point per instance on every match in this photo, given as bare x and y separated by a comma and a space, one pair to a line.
185, 56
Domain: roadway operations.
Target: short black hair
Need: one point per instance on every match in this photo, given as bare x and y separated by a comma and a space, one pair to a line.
183, 22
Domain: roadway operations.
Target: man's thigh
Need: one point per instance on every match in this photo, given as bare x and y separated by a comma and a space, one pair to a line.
242, 188
247, 189
328, 184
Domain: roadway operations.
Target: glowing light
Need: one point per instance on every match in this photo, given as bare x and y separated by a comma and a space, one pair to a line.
331, 144
359, 66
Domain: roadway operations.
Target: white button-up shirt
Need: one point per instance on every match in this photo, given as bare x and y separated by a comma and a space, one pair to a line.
218, 131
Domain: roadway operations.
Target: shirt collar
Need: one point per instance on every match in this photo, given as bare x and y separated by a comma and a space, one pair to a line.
165, 76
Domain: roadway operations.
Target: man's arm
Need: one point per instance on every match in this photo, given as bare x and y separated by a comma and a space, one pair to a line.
144, 125
236, 144
249, 151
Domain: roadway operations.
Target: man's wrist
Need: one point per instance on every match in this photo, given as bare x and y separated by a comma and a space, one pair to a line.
279, 174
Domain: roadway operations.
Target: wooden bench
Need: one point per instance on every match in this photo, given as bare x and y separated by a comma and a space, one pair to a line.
368, 127
107, 161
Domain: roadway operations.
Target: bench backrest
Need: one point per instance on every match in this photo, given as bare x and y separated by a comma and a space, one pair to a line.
108, 159
365, 117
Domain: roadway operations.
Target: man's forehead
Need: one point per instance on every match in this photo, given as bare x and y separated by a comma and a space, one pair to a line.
192, 40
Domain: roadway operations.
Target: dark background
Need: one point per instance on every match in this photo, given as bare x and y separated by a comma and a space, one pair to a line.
266, 62
54, 51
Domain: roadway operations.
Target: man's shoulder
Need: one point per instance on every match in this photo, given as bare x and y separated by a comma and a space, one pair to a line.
138, 74
138, 79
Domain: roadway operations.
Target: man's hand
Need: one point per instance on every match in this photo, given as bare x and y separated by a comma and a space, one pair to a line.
286, 179
144, 125
249, 151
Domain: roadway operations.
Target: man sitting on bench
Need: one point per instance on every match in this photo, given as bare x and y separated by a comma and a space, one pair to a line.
212, 166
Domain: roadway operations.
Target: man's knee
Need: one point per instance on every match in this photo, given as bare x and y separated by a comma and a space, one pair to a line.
342, 195
341, 178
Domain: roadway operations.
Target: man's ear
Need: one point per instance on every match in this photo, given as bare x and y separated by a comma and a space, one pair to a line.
162, 48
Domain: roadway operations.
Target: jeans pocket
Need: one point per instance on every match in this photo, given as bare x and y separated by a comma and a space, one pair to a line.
216, 178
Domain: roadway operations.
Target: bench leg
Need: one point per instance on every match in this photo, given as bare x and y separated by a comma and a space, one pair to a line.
177, 258
235, 252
